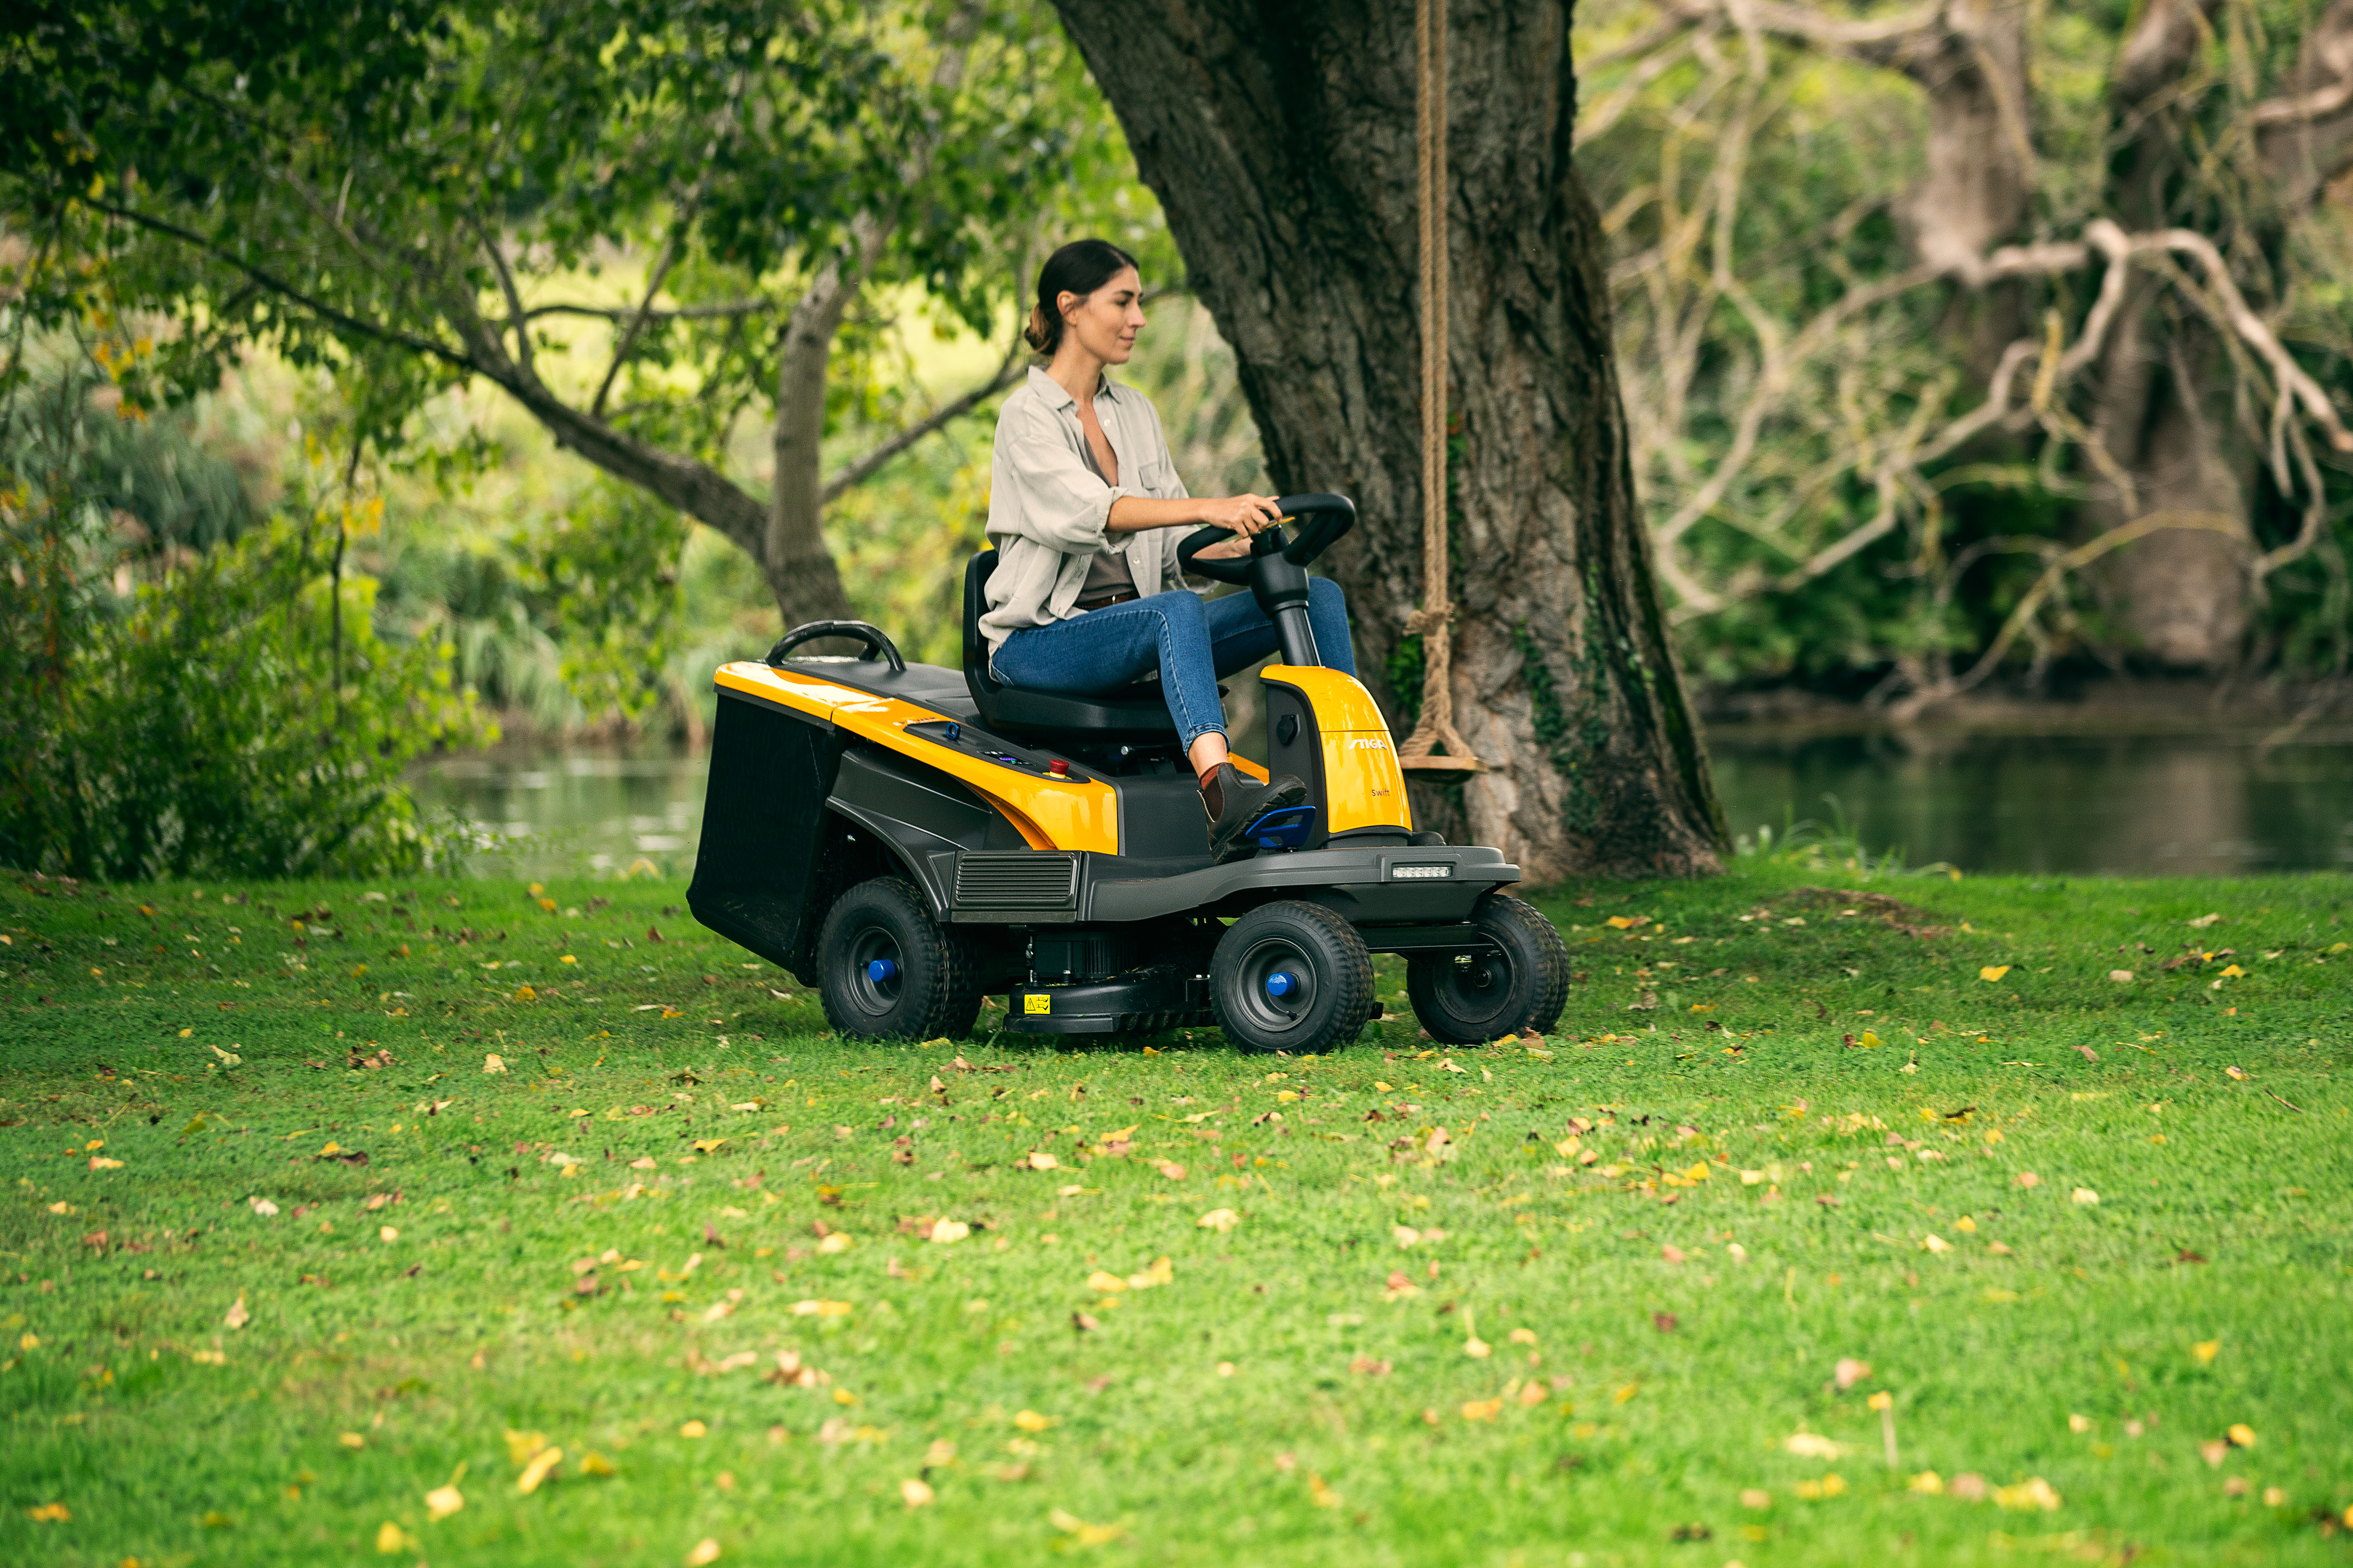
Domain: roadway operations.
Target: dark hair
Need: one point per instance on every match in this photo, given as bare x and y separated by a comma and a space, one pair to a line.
1079, 268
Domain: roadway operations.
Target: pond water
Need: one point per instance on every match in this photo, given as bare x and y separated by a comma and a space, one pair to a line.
2140, 804
2124, 805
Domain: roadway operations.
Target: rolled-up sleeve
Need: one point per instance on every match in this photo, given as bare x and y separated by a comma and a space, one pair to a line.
1041, 490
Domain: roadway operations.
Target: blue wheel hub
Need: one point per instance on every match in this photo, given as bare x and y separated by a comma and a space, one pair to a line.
1281, 983
881, 971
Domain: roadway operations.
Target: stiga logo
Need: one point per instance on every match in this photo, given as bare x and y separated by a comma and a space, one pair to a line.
1368, 743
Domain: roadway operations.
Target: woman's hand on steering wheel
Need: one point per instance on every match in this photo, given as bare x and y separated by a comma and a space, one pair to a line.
1231, 547
1243, 515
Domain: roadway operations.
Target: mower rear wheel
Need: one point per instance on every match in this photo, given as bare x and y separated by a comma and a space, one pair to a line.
1469, 999
1290, 977
888, 971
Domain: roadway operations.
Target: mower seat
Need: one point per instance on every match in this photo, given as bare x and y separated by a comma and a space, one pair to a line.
1137, 715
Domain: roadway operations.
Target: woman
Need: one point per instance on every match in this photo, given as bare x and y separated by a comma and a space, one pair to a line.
1086, 511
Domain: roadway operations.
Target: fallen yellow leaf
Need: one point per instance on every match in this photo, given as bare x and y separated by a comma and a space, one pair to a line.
916, 1493
2206, 1350
1218, 1220
949, 1230
693, 1429
1085, 1534
237, 1316
2031, 1493
1993, 971
390, 1539
706, 1550
521, 1445
443, 1501
1030, 1421
2242, 1436
546, 1461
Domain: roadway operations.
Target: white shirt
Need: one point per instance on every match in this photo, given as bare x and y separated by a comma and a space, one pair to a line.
1049, 509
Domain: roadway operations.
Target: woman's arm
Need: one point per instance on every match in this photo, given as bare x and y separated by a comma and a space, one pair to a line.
1243, 514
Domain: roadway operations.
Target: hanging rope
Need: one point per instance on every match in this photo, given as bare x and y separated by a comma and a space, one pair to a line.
1434, 623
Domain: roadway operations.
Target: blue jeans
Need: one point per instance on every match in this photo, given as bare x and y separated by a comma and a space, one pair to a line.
1189, 640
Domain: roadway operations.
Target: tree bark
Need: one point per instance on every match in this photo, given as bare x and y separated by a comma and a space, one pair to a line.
2162, 401
1279, 137
793, 555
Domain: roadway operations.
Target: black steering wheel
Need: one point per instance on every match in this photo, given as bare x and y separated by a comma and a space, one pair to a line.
877, 642
1327, 519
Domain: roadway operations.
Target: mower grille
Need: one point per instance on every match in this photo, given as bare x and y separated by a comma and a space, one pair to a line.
1019, 879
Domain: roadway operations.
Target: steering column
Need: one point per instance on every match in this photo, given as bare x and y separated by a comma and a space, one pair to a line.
1275, 570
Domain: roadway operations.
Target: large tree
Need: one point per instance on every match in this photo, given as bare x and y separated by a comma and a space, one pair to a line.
427, 194
2030, 309
1279, 135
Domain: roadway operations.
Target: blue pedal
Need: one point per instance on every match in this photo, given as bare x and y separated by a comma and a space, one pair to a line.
1285, 827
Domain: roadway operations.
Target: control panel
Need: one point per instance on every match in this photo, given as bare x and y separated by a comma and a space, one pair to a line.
988, 748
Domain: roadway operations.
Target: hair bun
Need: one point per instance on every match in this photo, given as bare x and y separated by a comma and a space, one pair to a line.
1035, 333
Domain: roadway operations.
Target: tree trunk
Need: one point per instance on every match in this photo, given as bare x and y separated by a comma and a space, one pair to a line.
793, 555
1280, 137
2162, 403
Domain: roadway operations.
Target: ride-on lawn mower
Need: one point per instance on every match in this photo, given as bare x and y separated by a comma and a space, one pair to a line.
908, 839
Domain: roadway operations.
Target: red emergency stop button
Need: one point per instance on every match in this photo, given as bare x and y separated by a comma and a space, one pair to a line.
1059, 768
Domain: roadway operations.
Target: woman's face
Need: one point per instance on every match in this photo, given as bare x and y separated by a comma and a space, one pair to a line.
1106, 322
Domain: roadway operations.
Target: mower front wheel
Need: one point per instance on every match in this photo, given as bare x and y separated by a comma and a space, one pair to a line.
1521, 983
1290, 977
888, 971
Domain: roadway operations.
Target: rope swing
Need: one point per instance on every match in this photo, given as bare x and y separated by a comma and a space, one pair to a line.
1434, 623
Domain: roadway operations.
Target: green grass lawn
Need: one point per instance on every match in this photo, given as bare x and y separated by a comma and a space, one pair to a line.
287, 1272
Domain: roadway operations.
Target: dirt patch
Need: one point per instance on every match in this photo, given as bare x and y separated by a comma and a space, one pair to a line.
1893, 913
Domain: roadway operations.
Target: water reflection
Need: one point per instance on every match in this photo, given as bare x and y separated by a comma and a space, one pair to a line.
2136, 805
560, 813
2133, 804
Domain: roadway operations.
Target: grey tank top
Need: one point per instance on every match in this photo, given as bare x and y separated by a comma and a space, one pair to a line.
1108, 572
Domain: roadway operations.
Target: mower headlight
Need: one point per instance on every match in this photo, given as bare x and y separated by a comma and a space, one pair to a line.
1414, 873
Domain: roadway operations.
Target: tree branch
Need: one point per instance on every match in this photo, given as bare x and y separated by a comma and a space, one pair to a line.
732, 308
628, 339
515, 317
334, 316
859, 471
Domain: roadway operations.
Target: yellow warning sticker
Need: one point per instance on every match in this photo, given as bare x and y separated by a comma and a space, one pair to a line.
1036, 1002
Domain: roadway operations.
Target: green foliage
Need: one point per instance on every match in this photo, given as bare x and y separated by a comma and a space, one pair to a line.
244, 719
396, 208
222, 710
605, 579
